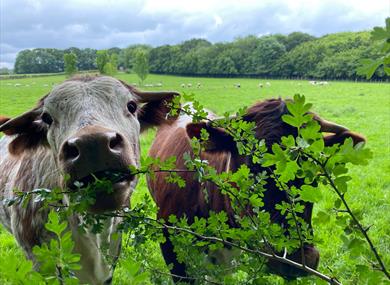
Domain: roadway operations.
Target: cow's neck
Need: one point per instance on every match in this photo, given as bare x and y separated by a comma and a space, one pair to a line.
98, 251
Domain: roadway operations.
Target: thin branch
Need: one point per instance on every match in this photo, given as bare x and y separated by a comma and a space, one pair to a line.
297, 226
275, 257
363, 230
272, 256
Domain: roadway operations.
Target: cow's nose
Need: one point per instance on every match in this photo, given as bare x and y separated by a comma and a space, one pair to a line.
87, 145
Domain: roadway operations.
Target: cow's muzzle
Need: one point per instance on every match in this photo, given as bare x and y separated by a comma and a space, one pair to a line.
96, 154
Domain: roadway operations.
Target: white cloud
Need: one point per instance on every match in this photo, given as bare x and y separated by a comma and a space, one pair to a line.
107, 23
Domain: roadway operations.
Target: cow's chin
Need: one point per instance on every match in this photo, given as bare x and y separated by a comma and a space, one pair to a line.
117, 199
105, 199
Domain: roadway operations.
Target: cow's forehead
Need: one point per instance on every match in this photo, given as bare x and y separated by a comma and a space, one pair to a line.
70, 92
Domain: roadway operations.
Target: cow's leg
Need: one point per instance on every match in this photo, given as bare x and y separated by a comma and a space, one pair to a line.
178, 270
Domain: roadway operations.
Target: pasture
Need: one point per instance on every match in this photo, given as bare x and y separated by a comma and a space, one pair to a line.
362, 107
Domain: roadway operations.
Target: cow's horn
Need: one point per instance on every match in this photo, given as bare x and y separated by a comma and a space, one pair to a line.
149, 96
330, 127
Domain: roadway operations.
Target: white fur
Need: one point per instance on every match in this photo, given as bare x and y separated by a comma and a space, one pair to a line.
72, 105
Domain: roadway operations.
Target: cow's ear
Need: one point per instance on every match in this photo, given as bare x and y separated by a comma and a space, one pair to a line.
156, 113
28, 129
219, 139
341, 137
156, 108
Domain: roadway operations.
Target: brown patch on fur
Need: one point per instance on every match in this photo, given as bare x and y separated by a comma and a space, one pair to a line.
155, 114
3, 119
191, 201
267, 116
341, 137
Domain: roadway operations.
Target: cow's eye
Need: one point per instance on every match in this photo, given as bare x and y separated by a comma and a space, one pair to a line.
132, 107
46, 118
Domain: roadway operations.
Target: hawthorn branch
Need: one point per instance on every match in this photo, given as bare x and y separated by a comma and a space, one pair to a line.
271, 256
361, 228
297, 225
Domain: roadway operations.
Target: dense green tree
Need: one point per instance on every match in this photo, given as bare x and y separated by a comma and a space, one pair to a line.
266, 54
87, 59
39, 61
141, 64
295, 39
70, 63
102, 60
5, 70
294, 55
127, 56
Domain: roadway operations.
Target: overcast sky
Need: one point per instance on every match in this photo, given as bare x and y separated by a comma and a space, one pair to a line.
103, 24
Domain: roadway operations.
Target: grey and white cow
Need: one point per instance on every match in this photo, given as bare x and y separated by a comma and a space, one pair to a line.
84, 126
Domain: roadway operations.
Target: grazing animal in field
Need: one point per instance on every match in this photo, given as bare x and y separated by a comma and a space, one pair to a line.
268, 84
323, 83
84, 127
261, 85
237, 85
182, 85
222, 154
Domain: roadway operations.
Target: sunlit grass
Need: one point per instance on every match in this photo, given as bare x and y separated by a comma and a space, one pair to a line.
362, 107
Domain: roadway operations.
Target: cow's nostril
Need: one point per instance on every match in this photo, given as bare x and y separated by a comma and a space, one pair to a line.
70, 151
116, 142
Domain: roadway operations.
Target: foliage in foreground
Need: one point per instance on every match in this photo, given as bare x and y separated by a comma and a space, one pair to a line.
258, 239
369, 66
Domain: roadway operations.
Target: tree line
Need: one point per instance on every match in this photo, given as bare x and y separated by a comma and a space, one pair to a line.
297, 55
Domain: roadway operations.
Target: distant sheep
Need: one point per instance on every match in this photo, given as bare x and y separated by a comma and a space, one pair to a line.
198, 85
189, 85
321, 83
268, 84
261, 85
237, 85
183, 85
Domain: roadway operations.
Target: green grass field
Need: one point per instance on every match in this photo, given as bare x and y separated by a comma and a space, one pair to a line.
362, 107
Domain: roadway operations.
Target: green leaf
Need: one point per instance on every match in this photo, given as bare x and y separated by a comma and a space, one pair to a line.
310, 194
341, 183
256, 201
379, 33
323, 217
368, 67
54, 224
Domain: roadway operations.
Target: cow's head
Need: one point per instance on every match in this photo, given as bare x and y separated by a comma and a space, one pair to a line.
91, 126
267, 116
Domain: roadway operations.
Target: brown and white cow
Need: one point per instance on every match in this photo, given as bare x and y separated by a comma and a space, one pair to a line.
84, 126
222, 154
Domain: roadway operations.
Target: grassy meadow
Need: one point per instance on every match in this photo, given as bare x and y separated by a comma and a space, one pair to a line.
362, 107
